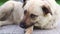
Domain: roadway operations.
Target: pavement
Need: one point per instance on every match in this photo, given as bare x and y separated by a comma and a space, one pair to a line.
15, 29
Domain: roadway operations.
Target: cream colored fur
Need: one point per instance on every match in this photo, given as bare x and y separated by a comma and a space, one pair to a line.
14, 11
49, 21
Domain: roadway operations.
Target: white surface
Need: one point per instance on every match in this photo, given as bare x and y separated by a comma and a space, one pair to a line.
11, 29
15, 29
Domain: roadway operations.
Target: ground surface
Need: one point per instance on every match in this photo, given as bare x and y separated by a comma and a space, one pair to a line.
15, 29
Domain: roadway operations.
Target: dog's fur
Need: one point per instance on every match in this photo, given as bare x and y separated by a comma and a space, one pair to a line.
43, 14
11, 12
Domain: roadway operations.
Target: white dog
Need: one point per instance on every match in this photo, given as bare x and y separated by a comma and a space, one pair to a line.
43, 14
11, 12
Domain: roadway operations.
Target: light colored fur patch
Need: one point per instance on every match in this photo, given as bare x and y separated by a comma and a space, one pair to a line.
16, 12
49, 21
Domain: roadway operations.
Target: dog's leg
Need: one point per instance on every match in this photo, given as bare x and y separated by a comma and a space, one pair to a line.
29, 30
6, 22
6, 8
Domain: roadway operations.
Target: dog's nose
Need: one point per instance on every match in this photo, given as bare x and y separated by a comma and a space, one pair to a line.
22, 25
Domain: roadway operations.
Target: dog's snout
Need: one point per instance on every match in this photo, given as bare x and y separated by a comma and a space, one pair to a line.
22, 24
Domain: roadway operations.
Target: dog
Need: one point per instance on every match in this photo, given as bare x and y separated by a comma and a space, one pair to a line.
43, 14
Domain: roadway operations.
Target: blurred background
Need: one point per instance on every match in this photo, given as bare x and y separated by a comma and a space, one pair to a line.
58, 1
3, 1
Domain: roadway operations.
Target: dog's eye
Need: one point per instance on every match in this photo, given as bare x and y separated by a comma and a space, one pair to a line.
25, 11
33, 16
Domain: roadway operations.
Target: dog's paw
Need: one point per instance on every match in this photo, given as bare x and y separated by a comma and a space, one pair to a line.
1, 24
49, 27
29, 30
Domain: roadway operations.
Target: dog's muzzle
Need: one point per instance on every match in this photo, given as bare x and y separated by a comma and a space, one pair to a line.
23, 25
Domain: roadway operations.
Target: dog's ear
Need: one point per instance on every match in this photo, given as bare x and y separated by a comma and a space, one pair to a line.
46, 10
24, 2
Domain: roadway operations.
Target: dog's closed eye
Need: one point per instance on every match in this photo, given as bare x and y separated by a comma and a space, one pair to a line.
33, 16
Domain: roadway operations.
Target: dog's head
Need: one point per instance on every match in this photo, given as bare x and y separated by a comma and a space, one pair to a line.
36, 11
